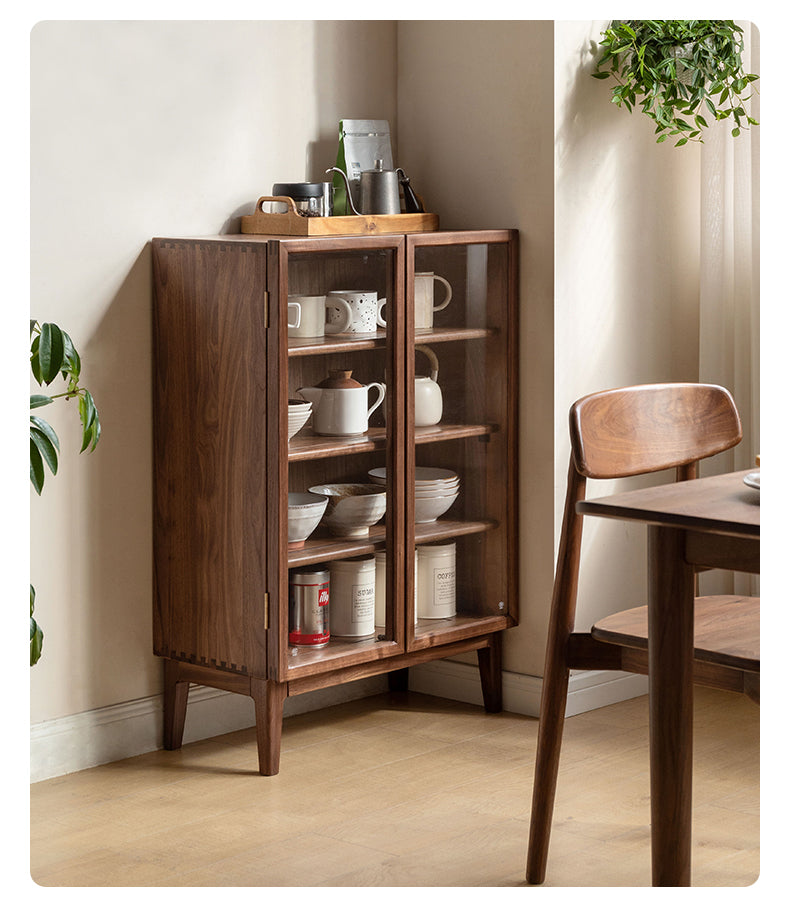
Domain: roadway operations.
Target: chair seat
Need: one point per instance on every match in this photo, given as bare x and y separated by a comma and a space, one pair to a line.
726, 630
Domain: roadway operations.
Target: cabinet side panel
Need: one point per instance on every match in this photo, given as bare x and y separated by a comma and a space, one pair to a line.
209, 453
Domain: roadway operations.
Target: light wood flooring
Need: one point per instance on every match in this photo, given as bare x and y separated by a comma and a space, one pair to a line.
399, 790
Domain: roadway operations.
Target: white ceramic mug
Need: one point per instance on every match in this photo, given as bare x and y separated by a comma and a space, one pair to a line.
317, 315
364, 305
352, 591
424, 308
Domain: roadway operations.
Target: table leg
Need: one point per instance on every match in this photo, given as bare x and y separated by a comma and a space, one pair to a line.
671, 655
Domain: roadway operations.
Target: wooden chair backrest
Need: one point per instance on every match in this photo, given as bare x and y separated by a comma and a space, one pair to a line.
651, 427
629, 431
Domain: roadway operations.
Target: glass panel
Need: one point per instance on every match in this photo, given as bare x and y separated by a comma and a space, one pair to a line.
461, 437
340, 364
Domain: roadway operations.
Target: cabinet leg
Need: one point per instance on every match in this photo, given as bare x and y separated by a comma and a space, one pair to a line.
269, 697
398, 681
175, 705
489, 661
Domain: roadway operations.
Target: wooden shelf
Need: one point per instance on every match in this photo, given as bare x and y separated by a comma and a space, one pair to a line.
306, 445
440, 335
324, 548
345, 343
316, 658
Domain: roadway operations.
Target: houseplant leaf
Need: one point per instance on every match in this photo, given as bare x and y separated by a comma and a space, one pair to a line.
50, 352
670, 68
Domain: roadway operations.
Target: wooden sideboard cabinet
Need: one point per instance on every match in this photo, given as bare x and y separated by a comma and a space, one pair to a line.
224, 371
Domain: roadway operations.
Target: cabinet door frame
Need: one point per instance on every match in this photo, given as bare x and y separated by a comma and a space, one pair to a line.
277, 577
509, 615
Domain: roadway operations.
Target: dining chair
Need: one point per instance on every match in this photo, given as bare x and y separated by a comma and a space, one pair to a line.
614, 434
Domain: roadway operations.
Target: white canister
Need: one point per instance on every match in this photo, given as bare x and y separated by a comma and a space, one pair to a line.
436, 581
352, 610
381, 587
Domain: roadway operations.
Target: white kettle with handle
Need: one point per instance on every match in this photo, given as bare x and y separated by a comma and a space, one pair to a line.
340, 404
427, 393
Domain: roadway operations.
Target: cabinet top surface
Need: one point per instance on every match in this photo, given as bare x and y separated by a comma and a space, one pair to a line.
489, 234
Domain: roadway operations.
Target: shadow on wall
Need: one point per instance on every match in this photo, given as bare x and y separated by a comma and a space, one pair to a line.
119, 511
628, 219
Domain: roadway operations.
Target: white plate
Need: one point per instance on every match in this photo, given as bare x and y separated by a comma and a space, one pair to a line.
752, 480
422, 476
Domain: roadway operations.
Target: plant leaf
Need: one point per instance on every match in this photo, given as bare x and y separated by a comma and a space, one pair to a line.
48, 452
89, 416
50, 352
38, 399
36, 468
36, 634
46, 429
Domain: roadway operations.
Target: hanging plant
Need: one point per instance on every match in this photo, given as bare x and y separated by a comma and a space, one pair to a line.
681, 73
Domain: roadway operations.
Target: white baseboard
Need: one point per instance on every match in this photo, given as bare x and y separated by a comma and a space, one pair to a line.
132, 728
587, 690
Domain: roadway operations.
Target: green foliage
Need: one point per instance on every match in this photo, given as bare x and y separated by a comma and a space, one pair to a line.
36, 634
52, 353
680, 73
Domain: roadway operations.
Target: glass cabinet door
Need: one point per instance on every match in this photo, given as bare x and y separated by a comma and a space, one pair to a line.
462, 336
340, 324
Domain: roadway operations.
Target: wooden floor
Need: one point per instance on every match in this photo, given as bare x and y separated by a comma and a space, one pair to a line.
399, 791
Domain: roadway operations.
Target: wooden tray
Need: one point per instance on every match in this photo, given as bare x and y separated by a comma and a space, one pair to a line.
291, 223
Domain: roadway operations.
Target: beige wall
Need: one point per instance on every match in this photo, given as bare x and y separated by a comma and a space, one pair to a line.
476, 121
627, 282
142, 129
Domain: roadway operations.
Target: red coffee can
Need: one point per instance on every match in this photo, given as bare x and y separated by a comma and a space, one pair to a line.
308, 608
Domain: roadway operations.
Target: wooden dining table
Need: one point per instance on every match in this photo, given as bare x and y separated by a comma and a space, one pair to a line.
709, 522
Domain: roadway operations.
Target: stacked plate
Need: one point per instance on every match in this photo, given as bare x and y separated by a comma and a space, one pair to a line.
435, 490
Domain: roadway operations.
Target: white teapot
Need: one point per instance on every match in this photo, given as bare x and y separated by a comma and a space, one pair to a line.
427, 393
340, 405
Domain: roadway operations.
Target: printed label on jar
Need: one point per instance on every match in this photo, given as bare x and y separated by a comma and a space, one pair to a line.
363, 600
444, 586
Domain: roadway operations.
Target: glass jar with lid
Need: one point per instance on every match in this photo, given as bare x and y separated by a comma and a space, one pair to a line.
312, 198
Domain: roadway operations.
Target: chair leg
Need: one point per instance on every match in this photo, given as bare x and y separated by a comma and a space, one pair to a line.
175, 705
269, 697
552, 721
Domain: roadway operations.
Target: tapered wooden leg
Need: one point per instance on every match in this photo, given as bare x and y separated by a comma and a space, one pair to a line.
547, 760
398, 680
269, 698
489, 661
554, 696
670, 662
175, 705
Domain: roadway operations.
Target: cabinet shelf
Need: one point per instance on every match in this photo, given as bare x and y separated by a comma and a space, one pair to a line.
346, 343
307, 445
322, 548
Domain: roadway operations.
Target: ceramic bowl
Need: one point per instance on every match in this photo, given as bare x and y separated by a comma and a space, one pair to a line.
304, 513
429, 508
352, 508
298, 413
424, 475
424, 478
